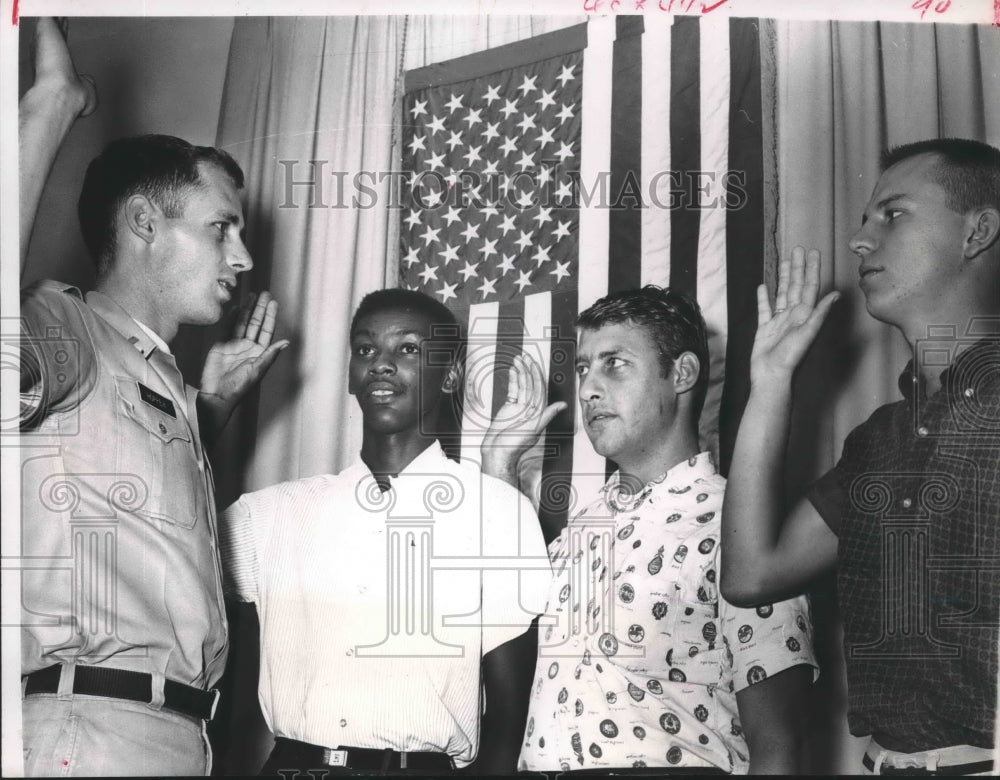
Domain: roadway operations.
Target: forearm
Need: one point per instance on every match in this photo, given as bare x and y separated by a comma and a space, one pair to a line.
213, 414
777, 757
773, 714
754, 509
45, 115
507, 674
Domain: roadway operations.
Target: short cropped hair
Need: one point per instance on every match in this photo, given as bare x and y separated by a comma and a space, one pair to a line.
161, 167
446, 331
968, 171
672, 319
401, 299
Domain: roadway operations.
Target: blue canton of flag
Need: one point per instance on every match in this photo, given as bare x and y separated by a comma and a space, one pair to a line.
491, 213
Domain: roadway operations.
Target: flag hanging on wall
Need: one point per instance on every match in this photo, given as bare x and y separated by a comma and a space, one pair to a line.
549, 172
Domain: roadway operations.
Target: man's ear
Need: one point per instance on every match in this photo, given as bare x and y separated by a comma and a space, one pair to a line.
686, 370
982, 231
141, 218
452, 380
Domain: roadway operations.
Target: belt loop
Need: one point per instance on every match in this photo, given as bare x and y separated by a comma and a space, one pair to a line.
932, 761
386, 759
156, 683
66, 679
879, 759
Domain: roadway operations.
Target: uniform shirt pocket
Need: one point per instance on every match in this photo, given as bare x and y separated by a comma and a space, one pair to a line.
155, 442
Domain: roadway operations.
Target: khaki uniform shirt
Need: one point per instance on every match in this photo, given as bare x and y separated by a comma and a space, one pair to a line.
117, 507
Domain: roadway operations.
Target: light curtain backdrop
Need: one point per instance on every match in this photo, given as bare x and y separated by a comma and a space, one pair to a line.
328, 89
844, 91
304, 89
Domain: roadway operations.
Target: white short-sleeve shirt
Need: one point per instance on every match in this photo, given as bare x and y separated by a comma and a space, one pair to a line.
376, 608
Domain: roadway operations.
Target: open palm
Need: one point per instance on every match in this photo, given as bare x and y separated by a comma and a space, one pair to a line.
785, 334
233, 367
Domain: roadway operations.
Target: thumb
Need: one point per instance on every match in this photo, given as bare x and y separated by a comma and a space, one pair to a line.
549, 414
267, 357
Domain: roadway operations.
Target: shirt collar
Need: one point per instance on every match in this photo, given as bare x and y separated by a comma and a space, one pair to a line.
427, 462
909, 380
679, 476
138, 335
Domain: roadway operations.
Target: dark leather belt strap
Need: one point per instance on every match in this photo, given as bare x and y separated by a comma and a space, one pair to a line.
302, 754
942, 769
124, 684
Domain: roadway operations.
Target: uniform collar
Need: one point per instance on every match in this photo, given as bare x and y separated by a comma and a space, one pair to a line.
138, 335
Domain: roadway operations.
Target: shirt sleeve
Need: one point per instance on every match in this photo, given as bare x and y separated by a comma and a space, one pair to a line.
768, 639
58, 359
830, 494
238, 547
829, 498
512, 597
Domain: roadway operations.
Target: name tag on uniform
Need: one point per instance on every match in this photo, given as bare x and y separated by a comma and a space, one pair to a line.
157, 401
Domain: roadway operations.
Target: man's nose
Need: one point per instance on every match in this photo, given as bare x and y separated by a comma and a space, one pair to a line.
591, 388
382, 364
239, 258
862, 243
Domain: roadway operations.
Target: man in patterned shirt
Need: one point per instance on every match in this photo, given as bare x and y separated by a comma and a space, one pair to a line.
641, 663
909, 514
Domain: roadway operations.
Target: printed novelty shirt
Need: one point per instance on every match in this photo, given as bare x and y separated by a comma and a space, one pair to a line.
640, 657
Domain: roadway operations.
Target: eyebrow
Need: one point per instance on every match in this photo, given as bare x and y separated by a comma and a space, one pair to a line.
603, 355
393, 332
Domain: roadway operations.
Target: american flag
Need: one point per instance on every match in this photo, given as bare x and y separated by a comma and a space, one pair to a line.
549, 172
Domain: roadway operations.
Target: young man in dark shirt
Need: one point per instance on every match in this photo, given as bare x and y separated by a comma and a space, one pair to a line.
909, 514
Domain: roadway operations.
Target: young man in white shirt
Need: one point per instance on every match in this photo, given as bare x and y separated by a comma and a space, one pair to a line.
383, 627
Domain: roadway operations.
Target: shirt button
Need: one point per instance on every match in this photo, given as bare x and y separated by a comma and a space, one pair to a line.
163, 428
969, 392
922, 431
343, 723
349, 652
907, 502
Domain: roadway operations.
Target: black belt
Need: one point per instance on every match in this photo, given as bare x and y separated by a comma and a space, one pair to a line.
123, 684
943, 769
302, 755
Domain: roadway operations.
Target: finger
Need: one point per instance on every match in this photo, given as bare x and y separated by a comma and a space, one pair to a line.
270, 318
92, 101
538, 387
763, 305
781, 297
550, 412
818, 317
796, 277
266, 358
257, 316
519, 377
810, 287
240, 328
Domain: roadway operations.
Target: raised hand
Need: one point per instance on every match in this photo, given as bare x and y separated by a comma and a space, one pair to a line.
233, 367
54, 67
46, 112
785, 334
519, 423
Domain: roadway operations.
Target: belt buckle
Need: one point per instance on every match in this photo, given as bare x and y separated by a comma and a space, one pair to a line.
335, 757
216, 695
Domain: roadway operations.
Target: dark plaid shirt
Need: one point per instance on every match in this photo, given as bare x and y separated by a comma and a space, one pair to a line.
915, 502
